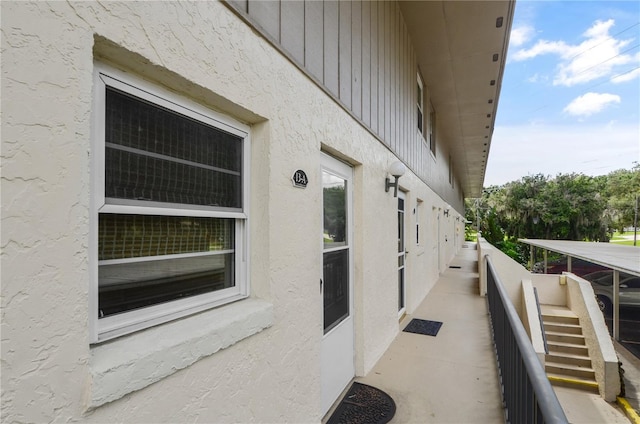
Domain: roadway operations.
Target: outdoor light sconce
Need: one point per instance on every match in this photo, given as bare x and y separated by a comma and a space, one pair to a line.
397, 170
446, 211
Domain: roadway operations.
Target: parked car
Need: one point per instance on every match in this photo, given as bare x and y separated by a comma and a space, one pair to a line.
602, 283
579, 267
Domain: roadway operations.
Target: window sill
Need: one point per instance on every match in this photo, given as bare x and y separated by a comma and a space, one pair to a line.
133, 362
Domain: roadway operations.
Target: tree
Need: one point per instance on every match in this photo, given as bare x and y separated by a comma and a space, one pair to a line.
567, 207
623, 186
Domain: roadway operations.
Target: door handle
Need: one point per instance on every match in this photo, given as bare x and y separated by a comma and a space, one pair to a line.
321, 285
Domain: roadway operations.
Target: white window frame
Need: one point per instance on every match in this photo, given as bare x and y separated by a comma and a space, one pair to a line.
420, 107
127, 322
432, 129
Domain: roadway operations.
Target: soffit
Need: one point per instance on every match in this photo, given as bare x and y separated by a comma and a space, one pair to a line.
454, 43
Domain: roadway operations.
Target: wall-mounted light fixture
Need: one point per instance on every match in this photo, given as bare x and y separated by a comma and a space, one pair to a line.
396, 170
446, 210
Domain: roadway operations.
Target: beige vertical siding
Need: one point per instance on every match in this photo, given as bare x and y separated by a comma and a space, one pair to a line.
314, 38
292, 32
362, 53
331, 79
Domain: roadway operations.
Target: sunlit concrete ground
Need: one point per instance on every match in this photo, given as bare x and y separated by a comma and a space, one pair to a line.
452, 378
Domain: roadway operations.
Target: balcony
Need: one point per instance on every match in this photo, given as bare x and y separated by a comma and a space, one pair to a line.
454, 377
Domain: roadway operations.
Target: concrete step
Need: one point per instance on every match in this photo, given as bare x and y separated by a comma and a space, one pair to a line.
573, 382
569, 359
561, 327
562, 348
570, 371
575, 339
558, 314
560, 319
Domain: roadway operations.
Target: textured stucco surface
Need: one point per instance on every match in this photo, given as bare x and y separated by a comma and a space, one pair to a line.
531, 320
202, 51
604, 359
510, 272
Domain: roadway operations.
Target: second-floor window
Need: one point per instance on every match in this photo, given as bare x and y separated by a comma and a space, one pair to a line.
420, 105
432, 129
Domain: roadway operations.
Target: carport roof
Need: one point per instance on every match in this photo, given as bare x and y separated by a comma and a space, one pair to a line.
610, 255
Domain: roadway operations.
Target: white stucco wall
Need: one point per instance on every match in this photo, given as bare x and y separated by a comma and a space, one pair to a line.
201, 51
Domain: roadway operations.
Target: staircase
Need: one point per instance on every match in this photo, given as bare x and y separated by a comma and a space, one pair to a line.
568, 362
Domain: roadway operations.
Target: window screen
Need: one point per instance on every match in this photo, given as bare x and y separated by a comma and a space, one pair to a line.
154, 154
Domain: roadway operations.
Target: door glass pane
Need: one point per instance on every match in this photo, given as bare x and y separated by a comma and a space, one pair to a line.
401, 253
400, 225
400, 289
335, 210
336, 287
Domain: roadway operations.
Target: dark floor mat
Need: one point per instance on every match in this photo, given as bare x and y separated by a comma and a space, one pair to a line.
423, 326
364, 405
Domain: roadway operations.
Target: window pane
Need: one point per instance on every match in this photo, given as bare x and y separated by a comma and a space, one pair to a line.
335, 210
159, 155
124, 286
129, 286
131, 236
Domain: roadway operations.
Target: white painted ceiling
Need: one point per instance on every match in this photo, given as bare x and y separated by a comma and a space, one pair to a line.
455, 42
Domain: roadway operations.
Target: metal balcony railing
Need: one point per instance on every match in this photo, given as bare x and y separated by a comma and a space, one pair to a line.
526, 392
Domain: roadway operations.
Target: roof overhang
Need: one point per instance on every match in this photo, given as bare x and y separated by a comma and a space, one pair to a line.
456, 44
609, 255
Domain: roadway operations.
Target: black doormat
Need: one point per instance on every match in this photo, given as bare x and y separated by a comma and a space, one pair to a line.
364, 405
423, 326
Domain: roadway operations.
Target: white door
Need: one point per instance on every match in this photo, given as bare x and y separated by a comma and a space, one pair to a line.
336, 284
401, 255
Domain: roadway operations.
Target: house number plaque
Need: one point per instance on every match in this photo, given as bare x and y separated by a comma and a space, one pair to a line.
300, 179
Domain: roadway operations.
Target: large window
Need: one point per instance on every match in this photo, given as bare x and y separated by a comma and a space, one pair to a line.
170, 186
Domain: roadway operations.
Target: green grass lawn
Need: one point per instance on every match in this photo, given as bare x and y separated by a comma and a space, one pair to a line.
624, 238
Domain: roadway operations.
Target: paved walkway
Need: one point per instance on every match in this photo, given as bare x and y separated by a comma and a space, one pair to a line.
452, 377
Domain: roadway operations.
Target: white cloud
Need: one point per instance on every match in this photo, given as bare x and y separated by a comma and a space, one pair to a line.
521, 35
540, 48
517, 151
627, 76
590, 103
599, 55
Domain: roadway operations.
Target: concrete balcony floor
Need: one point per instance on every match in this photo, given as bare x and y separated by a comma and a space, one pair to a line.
452, 377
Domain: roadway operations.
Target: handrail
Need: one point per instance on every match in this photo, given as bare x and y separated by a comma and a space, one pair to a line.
544, 333
526, 391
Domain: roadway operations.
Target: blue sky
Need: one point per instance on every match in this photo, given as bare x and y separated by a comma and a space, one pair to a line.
570, 99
